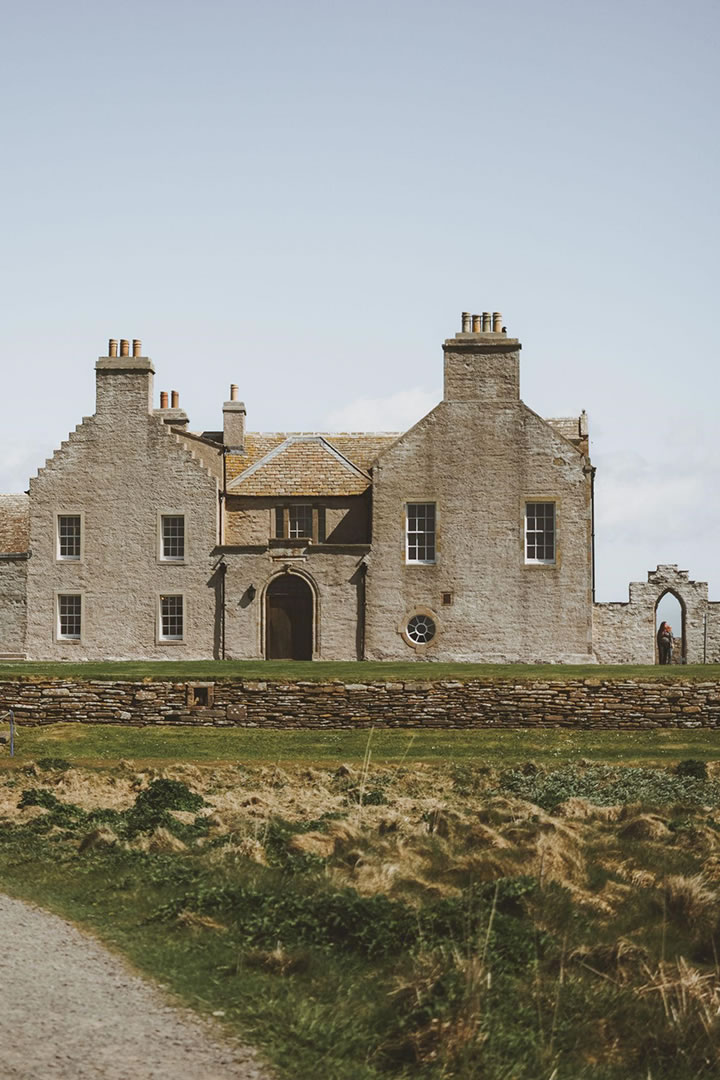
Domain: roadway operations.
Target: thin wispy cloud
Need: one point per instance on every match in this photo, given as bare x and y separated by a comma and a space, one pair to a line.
394, 412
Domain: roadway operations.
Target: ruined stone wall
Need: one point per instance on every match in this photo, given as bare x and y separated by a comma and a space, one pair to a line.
624, 633
480, 462
120, 470
713, 632
13, 605
581, 703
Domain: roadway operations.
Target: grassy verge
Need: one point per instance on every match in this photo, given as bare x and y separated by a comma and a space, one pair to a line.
87, 744
421, 917
365, 671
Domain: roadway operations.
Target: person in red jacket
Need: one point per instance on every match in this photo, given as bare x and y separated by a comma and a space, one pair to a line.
665, 643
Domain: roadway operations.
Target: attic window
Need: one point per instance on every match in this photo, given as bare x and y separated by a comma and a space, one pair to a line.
301, 520
297, 521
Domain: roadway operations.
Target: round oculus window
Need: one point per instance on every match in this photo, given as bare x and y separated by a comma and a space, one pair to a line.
421, 629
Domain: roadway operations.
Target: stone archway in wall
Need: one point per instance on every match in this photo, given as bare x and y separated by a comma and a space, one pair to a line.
626, 633
670, 607
289, 618
692, 596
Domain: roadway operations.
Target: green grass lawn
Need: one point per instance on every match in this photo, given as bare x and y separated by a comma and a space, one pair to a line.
104, 744
361, 671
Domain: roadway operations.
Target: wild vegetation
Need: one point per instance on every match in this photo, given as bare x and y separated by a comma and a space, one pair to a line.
519, 920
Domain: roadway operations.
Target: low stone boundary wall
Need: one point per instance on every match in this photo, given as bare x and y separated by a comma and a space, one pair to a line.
577, 703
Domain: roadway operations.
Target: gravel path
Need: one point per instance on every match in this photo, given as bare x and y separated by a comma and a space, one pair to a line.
71, 1010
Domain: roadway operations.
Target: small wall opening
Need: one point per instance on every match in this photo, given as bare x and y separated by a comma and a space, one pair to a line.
671, 610
199, 695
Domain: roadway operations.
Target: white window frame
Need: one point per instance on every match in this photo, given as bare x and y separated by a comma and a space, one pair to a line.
176, 560
59, 636
160, 637
416, 532
428, 614
308, 515
69, 558
532, 560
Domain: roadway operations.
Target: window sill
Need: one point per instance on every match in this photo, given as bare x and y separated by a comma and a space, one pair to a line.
294, 542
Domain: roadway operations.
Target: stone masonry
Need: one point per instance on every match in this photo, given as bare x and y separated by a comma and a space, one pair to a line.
300, 544
624, 633
119, 471
412, 704
480, 456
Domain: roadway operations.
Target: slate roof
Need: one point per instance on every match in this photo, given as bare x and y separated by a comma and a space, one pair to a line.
14, 524
297, 463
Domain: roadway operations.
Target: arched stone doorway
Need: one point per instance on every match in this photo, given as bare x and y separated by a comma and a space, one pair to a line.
289, 612
671, 608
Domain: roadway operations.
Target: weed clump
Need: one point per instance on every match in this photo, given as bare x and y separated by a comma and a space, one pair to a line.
168, 795
692, 767
53, 764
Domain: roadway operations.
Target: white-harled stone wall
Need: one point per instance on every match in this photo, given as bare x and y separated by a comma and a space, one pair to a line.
120, 470
13, 606
480, 456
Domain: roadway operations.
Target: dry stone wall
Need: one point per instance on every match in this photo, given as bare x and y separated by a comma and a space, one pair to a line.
576, 703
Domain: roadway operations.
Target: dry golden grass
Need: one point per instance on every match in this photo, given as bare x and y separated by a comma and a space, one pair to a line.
689, 899
193, 921
690, 1000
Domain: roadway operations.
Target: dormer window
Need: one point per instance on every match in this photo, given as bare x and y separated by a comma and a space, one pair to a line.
300, 521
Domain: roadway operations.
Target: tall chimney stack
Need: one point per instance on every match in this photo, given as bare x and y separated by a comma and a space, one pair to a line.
124, 383
484, 365
234, 421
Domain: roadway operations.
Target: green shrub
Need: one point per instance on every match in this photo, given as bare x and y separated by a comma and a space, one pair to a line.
168, 795
54, 764
692, 767
608, 785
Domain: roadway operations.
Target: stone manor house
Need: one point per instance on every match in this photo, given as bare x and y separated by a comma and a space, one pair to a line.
468, 537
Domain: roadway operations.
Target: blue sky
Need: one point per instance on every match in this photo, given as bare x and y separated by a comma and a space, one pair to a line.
302, 198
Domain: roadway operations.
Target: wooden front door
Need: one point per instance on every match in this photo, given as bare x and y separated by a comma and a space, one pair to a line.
289, 619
